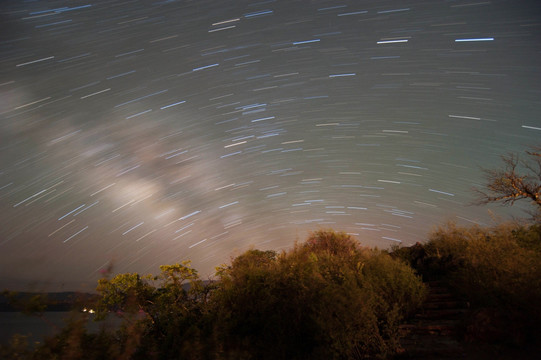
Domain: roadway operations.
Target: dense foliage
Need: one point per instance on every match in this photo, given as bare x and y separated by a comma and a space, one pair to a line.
497, 270
327, 298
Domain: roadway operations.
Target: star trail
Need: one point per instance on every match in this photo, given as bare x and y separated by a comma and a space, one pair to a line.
142, 133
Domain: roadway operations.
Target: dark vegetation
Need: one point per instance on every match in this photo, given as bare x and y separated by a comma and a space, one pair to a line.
37, 302
497, 271
326, 298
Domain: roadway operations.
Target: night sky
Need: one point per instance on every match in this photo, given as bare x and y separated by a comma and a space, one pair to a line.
142, 133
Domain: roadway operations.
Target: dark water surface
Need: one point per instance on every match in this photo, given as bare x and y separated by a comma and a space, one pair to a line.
36, 328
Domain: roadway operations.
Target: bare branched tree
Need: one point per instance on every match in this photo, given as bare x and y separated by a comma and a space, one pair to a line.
519, 179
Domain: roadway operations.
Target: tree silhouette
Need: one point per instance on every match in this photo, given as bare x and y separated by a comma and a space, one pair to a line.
519, 179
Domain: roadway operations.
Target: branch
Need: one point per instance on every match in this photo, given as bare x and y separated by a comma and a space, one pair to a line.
508, 185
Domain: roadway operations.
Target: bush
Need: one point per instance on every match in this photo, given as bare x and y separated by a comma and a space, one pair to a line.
325, 299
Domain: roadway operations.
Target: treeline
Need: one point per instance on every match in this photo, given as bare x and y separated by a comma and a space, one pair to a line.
326, 298
32, 302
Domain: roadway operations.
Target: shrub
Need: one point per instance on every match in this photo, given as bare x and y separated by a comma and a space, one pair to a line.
325, 299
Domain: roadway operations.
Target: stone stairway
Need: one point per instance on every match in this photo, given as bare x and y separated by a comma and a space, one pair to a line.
432, 333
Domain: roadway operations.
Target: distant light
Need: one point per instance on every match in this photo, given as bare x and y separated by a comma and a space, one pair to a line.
226, 21
259, 13
197, 243
342, 75
393, 10
190, 215
204, 67
474, 39
227, 205
441, 192
223, 28
390, 238
531, 127
465, 117
332, 7
353, 13
132, 228
231, 154
35, 61
171, 105
384, 57
392, 41
263, 119
390, 181
306, 41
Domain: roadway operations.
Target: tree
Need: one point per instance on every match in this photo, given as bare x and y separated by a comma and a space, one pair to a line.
519, 179
164, 316
327, 298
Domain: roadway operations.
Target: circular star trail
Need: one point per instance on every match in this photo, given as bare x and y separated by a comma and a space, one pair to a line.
141, 133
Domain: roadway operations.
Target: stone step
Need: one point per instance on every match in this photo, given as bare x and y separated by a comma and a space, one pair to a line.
420, 343
437, 283
428, 329
443, 314
439, 296
444, 304
433, 351
432, 332
438, 289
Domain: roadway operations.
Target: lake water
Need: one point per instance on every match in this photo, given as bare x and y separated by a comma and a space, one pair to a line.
36, 328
